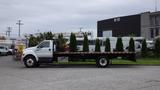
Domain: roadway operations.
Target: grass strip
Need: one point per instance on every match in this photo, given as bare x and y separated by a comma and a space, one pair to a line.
142, 61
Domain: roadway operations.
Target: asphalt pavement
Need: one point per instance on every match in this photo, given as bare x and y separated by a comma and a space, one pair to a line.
14, 76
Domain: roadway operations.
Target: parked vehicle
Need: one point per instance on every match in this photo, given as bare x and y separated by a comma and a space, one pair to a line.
7, 44
3, 50
46, 52
150, 44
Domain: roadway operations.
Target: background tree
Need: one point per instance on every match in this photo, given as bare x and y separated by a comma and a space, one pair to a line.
85, 43
49, 36
119, 45
157, 48
61, 43
32, 41
38, 38
131, 47
41, 35
97, 46
73, 43
144, 48
107, 45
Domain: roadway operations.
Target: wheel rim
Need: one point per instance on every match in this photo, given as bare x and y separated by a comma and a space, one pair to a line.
103, 62
30, 62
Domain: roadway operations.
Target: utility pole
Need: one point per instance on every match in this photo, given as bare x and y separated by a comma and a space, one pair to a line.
19, 27
156, 5
8, 31
81, 28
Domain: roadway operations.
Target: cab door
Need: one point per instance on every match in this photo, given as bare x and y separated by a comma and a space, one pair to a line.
44, 51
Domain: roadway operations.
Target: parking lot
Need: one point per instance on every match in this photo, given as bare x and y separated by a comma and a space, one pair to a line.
14, 76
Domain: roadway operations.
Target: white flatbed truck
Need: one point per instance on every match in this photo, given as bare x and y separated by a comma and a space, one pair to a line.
46, 52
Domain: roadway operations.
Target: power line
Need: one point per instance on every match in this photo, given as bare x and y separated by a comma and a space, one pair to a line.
19, 27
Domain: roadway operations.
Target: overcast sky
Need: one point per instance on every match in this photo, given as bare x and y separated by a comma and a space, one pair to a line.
66, 15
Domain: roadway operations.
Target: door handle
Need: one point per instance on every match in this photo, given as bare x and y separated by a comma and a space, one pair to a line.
49, 49
37, 50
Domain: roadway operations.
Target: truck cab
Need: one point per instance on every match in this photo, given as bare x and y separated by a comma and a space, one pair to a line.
42, 53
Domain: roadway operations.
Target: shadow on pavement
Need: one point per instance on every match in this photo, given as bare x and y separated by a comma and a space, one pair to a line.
83, 66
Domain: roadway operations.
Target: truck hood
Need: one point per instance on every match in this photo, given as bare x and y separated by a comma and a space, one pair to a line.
31, 48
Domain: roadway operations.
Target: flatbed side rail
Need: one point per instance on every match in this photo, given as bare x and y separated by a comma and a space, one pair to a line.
95, 55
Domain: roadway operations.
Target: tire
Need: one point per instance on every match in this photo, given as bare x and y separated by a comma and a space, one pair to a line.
30, 62
9, 53
102, 62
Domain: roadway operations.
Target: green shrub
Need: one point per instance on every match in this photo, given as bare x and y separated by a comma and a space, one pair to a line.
144, 48
157, 48
107, 45
60, 43
97, 46
32, 41
73, 43
131, 47
85, 43
119, 45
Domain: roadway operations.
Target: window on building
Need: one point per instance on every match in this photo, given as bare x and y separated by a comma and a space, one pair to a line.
157, 31
156, 20
152, 21
117, 19
79, 42
152, 33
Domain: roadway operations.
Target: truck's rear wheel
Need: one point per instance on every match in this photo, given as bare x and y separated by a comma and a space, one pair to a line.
102, 62
30, 62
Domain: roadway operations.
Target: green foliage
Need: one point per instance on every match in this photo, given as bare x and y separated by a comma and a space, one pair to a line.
107, 45
157, 48
131, 47
49, 36
73, 43
119, 45
97, 46
32, 41
85, 43
144, 48
61, 43
132, 35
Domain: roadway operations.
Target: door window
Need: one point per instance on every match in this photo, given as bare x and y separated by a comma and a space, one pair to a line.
44, 45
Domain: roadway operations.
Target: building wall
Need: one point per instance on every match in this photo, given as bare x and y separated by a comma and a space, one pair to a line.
155, 23
145, 25
120, 26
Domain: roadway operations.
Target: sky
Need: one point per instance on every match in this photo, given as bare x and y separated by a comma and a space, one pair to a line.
66, 15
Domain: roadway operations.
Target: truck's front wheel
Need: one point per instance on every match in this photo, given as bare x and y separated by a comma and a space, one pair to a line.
102, 62
30, 62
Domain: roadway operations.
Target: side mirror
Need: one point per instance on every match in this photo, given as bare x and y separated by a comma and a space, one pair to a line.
40, 46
